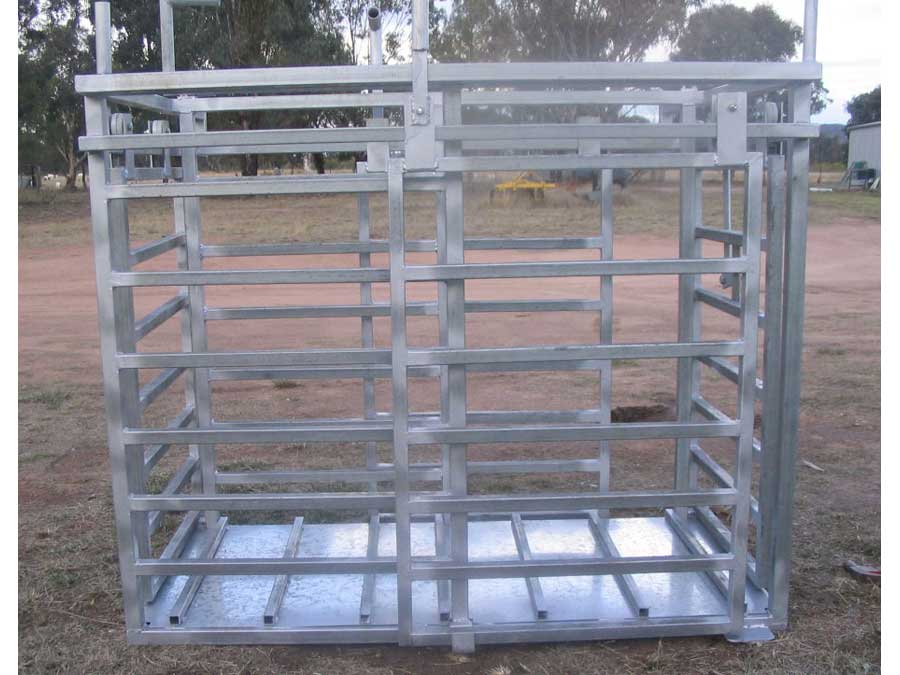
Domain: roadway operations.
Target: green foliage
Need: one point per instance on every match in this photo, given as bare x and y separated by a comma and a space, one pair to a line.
558, 30
54, 45
865, 108
241, 34
731, 33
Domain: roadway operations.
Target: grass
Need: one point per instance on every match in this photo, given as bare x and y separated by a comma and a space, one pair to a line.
51, 398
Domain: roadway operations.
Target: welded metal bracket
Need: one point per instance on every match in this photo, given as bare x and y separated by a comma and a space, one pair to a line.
731, 127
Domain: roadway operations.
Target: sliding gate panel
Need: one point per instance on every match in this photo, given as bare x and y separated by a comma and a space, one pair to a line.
543, 564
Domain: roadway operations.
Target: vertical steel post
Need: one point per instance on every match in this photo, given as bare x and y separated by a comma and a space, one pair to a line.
190, 207
737, 579
116, 334
454, 382
688, 380
792, 348
400, 398
771, 417
606, 322
167, 35
369, 410
810, 21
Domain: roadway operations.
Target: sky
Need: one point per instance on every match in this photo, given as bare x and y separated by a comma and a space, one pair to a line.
848, 47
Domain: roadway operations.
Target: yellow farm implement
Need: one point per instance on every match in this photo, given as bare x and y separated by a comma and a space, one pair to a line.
524, 184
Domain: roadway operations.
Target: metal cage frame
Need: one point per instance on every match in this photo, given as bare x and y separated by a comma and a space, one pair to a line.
423, 548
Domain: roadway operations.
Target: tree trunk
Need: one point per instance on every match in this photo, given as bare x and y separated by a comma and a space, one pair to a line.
249, 163
72, 170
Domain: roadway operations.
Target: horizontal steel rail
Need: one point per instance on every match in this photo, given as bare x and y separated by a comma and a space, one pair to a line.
257, 137
576, 97
174, 549
157, 386
579, 268
574, 162
566, 567
574, 432
412, 309
176, 484
159, 316
718, 301
265, 566
731, 237
445, 75
444, 503
153, 454
660, 350
311, 357
381, 246
241, 187
481, 132
380, 474
292, 102
330, 501
295, 434
155, 248
249, 277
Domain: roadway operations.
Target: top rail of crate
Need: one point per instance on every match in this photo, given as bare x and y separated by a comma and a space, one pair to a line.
450, 76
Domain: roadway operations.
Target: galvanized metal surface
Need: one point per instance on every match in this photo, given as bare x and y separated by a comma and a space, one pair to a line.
434, 564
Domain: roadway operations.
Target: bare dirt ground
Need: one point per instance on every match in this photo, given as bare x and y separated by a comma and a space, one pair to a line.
70, 615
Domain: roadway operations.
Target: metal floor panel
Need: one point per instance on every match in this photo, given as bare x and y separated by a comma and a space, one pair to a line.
333, 600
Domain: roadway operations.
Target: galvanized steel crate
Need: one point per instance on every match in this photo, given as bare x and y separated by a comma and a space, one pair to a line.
428, 563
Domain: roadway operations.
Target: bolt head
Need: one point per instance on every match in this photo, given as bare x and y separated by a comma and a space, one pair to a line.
732, 107
420, 110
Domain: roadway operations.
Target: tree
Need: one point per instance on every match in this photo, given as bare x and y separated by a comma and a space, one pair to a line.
239, 34
558, 30
730, 33
865, 108
54, 45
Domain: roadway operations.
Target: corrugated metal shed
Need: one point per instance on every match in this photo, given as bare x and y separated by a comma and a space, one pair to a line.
865, 145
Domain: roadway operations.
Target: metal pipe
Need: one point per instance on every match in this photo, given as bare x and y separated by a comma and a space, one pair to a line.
810, 20
167, 27
376, 57
419, 25
103, 30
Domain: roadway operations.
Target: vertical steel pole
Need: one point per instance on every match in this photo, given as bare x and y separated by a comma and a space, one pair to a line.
190, 122
740, 526
167, 35
400, 398
771, 417
369, 411
116, 334
606, 323
810, 21
792, 348
688, 380
455, 386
